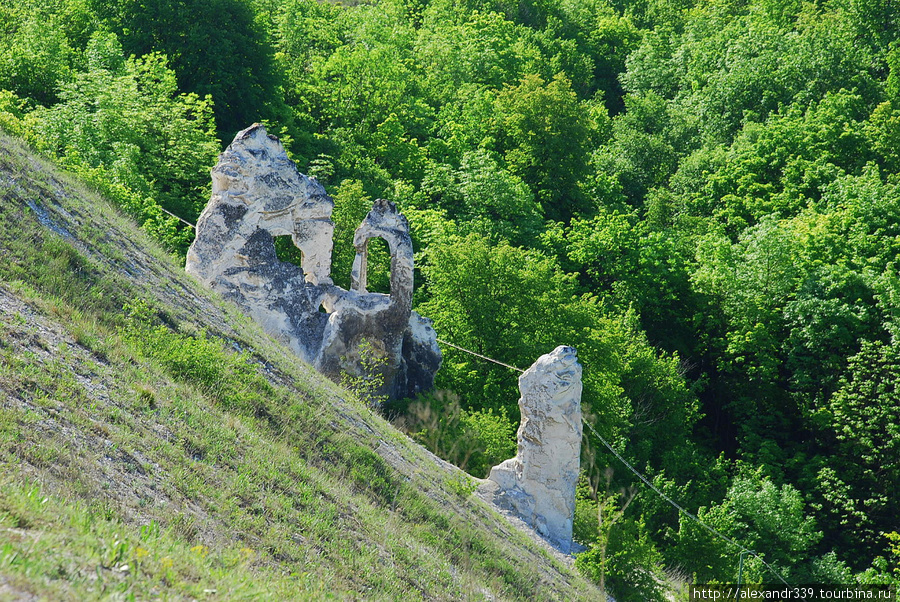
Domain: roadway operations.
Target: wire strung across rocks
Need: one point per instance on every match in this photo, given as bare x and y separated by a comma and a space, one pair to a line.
640, 476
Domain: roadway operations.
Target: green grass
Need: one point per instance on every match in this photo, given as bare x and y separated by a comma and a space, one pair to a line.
68, 551
144, 422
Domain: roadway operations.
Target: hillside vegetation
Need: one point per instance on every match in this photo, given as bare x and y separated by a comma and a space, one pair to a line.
700, 196
155, 444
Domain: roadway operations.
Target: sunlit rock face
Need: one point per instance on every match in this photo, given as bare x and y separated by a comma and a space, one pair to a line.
258, 194
539, 483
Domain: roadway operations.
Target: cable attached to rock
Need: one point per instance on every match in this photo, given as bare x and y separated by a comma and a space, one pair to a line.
484, 357
677, 506
181, 219
640, 476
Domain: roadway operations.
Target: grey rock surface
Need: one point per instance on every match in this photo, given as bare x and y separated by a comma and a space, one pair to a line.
258, 194
539, 483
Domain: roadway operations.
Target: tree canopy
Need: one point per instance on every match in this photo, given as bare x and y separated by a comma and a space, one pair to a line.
701, 197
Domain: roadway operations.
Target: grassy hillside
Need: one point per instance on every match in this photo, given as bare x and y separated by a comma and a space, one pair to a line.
155, 444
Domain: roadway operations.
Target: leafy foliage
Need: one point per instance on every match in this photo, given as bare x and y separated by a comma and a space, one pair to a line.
702, 197
36, 57
474, 440
764, 518
215, 47
124, 126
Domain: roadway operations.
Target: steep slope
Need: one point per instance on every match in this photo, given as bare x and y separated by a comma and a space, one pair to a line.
155, 443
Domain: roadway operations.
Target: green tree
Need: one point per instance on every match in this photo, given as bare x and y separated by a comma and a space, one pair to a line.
608, 38
833, 311
493, 300
483, 49
484, 198
127, 119
649, 139
739, 62
546, 134
36, 57
621, 558
515, 305
863, 420
215, 47
761, 516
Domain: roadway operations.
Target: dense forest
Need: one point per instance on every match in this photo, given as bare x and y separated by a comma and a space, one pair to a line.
703, 197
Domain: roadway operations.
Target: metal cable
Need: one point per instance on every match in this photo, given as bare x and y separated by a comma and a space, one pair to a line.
639, 475
181, 219
676, 505
484, 357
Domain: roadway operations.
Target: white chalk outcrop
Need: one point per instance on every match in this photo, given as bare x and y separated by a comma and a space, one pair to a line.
539, 483
258, 193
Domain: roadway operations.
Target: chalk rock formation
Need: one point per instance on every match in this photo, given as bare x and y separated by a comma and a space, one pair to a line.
258, 193
539, 483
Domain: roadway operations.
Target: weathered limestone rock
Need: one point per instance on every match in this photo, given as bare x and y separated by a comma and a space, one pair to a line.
258, 194
539, 483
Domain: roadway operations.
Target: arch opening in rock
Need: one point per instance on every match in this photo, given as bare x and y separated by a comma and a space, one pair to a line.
374, 262
287, 251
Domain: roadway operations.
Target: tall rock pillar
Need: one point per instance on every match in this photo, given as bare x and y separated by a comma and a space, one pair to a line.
539, 483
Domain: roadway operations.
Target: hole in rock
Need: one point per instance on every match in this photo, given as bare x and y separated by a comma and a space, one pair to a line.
287, 251
378, 278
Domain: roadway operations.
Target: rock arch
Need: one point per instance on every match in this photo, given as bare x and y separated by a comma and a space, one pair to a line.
258, 193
